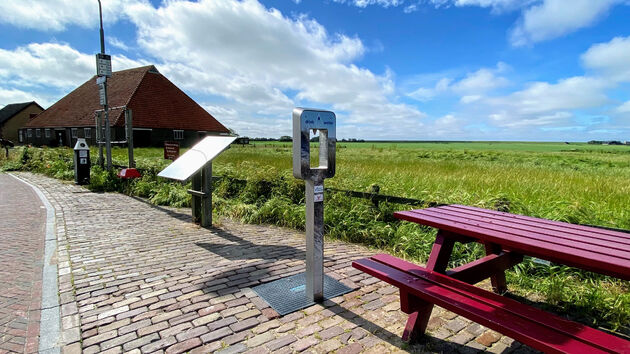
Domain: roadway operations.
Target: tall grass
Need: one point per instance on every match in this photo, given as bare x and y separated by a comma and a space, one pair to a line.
580, 185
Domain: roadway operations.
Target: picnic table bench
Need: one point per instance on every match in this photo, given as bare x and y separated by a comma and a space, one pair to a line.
507, 238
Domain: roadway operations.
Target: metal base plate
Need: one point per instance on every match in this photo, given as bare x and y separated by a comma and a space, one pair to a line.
288, 294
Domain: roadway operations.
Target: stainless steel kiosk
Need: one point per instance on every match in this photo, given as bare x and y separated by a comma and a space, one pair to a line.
197, 163
301, 290
306, 121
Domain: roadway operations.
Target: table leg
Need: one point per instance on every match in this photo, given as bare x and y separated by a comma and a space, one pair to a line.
498, 278
440, 253
419, 310
419, 313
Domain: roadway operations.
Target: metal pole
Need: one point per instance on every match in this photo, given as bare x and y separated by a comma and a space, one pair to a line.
206, 189
99, 139
108, 136
314, 242
196, 200
100, 13
129, 126
108, 140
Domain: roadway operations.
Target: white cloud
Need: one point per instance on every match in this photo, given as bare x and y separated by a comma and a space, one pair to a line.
470, 87
624, 108
567, 94
542, 20
497, 6
256, 55
512, 121
11, 95
57, 15
365, 3
52, 64
555, 18
612, 58
470, 98
117, 43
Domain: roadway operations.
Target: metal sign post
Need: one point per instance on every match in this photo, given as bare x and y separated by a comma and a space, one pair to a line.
99, 139
196, 164
306, 121
129, 133
103, 71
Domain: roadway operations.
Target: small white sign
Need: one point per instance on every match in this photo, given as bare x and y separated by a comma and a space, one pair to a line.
541, 261
83, 161
319, 189
101, 95
103, 65
83, 153
101, 80
318, 197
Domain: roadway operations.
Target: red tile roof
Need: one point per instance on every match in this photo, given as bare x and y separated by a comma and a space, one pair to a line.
155, 101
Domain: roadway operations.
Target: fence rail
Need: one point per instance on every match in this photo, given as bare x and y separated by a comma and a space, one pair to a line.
376, 198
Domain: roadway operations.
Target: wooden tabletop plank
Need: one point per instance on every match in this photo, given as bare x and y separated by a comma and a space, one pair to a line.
527, 230
567, 229
600, 263
552, 243
622, 236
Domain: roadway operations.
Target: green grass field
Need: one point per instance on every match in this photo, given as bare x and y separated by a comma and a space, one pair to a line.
578, 183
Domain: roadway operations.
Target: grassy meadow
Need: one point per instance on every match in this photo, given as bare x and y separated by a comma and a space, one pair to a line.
577, 183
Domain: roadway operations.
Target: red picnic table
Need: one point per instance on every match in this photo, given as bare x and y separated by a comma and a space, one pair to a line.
507, 238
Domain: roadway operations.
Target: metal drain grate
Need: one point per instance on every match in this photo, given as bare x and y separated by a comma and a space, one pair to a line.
288, 294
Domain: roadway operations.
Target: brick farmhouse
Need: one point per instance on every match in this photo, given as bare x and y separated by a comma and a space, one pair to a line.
160, 111
14, 116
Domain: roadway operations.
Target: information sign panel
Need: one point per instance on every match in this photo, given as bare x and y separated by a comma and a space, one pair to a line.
101, 95
197, 157
103, 65
171, 150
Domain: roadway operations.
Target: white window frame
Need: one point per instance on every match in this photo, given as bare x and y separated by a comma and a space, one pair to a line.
21, 135
87, 133
38, 133
178, 134
29, 133
74, 132
47, 133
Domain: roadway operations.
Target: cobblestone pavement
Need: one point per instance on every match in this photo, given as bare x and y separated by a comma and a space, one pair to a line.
139, 278
22, 233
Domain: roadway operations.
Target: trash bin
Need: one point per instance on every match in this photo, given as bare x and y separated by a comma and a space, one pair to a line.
81, 162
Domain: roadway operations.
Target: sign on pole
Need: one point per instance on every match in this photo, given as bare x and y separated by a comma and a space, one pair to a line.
101, 94
103, 65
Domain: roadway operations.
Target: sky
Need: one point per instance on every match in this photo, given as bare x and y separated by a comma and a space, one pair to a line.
528, 70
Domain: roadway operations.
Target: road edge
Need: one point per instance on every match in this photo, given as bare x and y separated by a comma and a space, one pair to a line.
50, 319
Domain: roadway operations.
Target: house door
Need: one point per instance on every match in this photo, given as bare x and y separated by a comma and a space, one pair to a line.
60, 137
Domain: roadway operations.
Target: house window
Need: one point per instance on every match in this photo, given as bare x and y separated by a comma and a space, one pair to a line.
74, 132
29, 133
47, 133
38, 133
21, 135
87, 133
178, 134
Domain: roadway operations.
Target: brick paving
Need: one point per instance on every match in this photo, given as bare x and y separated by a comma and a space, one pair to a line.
22, 234
139, 278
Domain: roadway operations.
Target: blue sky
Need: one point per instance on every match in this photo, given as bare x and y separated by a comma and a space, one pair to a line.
536, 70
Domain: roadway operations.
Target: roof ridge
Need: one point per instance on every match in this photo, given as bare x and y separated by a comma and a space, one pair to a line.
146, 67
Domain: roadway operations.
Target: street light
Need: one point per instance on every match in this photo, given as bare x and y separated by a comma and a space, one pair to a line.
103, 71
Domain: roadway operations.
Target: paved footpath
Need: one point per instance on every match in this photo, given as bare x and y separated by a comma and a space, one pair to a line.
22, 233
138, 278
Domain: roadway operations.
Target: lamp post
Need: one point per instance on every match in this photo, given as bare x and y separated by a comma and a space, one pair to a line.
103, 70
